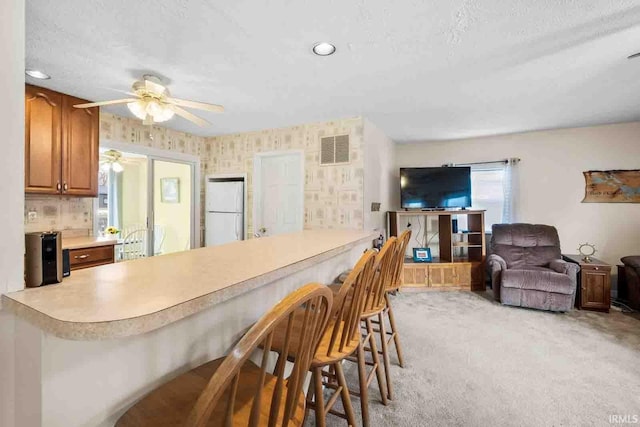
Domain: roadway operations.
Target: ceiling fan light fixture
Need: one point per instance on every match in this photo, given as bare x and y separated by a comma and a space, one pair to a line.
138, 109
163, 115
324, 49
117, 167
37, 74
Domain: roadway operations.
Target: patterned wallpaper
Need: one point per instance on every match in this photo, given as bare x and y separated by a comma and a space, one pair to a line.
333, 194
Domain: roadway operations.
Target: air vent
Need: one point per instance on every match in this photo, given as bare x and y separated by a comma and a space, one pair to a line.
334, 150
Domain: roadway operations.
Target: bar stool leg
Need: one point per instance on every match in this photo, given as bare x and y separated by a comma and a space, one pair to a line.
385, 355
376, 361
319, 398
364, 392
344, 393
394, 333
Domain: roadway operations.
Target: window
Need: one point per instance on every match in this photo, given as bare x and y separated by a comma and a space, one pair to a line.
487, 192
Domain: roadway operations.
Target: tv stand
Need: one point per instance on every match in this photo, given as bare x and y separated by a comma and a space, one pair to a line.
448, 271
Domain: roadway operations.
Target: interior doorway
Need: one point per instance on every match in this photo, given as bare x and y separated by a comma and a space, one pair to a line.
150, 198
278, 193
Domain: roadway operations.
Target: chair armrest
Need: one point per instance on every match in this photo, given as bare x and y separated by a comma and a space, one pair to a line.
497, 265
560, 266
496, 262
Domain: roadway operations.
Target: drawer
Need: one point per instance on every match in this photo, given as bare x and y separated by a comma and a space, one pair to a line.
90, 257
599, 268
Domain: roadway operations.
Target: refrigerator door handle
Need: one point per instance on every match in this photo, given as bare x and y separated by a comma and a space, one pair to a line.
236, 227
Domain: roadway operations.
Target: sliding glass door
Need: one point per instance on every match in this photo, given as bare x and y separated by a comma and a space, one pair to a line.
150, 200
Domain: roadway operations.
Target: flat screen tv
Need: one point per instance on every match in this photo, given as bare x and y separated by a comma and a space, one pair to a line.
430, 188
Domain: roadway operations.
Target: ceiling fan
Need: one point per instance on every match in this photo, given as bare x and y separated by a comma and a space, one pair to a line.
153, 103
111, 160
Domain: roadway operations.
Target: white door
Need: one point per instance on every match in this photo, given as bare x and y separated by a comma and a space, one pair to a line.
279, 193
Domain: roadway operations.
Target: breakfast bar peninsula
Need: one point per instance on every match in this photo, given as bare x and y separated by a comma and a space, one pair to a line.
92, 345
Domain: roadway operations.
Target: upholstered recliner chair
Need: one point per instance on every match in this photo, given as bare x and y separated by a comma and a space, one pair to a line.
527, 269
632, 276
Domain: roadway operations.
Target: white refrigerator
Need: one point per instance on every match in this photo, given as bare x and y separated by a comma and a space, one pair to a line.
224, 212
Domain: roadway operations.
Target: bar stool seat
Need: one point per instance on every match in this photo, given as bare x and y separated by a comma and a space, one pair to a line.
235, 391
171, 403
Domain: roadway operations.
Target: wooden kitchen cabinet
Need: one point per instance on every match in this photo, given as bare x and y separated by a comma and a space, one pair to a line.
43, 145
61, 144
594, 284
80, 258
79, 148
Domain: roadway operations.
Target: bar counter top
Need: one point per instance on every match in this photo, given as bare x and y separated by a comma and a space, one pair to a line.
134, 297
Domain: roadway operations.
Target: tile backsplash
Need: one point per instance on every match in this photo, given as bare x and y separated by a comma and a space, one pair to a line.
72, 215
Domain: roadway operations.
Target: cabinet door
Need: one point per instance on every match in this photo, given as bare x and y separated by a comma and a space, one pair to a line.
442, 275
596, 289
43, 119
415, 275
463, 275
80, 149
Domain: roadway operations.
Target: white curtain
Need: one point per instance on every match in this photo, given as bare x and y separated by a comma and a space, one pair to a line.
509, 184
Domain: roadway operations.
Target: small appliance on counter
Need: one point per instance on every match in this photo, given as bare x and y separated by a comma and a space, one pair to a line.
43, 258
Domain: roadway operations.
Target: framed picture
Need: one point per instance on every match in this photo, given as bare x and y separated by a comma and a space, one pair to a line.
421, 255
170, 190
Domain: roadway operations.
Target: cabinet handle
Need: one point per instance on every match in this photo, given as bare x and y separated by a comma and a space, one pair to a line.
85, 256
58, 186
65, 186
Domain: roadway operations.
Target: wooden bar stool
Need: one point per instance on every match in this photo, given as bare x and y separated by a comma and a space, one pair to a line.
393, 283
374, 305
341, 339
234, 391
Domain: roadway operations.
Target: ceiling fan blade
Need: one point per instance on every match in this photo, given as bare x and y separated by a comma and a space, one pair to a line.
98, 104
194, 104
187, 115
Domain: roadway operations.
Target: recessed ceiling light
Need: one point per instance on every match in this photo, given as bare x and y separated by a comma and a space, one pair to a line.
324, 49
36, 74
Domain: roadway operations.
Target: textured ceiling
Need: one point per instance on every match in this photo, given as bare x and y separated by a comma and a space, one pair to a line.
419, 69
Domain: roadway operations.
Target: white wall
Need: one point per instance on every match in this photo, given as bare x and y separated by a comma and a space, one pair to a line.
380, 175
551, 184
12, 39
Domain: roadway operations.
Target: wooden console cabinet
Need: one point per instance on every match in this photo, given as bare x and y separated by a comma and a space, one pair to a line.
594, 284
461, 261
61, 144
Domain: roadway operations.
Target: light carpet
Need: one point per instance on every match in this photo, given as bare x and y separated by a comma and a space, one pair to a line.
472, 362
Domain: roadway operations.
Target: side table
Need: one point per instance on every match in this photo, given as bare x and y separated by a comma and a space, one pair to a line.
594, 283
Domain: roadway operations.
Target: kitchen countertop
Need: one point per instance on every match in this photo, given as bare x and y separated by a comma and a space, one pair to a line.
87, 242
134, 297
